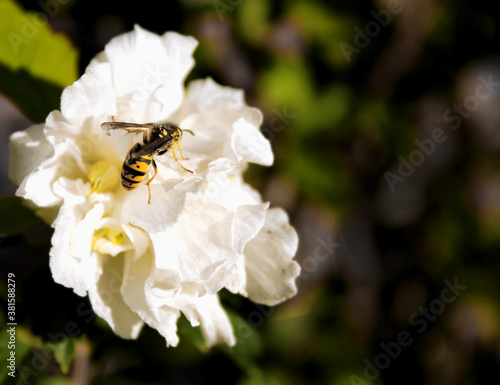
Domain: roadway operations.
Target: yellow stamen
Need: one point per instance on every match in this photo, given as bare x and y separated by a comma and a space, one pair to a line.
105, 240
103, 177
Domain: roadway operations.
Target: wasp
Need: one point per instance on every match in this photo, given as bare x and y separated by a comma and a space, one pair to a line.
158, 138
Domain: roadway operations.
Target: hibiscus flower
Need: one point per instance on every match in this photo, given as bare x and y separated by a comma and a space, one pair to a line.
203, 231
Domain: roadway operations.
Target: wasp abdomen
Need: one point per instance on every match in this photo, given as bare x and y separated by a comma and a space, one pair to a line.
135, 169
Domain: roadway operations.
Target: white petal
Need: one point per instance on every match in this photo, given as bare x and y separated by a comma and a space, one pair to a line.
162, 284
73, 191
107, 301
67, 270
200, 254
85, 105
214, 322
229, 190
140, 298
165, 207
218, 105
39, 185
139, 239
166, 255
271, 272
207, 146
136, 273
247, 222
80, 243
28, 149
149, 71
250, 144
204, 311
90, 96
130, 54
180, 50
37, 188
164, 319
32, 166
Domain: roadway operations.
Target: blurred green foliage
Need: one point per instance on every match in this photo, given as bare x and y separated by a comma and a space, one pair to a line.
35, 63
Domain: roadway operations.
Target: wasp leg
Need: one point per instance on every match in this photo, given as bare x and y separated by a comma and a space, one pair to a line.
149, 181
136, 131
180, 149
177, 160
108, 126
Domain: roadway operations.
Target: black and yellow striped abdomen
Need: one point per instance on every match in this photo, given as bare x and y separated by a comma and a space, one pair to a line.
135, 168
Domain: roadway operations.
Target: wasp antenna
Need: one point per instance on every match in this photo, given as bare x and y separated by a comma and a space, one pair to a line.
191, 132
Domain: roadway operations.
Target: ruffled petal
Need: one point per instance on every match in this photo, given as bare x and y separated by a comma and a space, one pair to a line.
250, 144
107, 300
247, 222
85, 105
34, 165
213, 320
149, 71
179, 50
76, 273
270, 270
130, 56
28, 149
139, 239
89, 97
188, 247
229, 190
212, 103
138, 293
80, 243
167, 203
37, 187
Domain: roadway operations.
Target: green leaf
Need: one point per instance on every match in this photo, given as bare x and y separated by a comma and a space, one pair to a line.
63, 352
35, 63
16, 218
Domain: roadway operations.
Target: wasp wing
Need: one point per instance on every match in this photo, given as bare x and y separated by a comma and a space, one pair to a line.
157, 147
130, 127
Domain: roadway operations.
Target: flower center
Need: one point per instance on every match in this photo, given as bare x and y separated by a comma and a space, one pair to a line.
103, 177
108, 241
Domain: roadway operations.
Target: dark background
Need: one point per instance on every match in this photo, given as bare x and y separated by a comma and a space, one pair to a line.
371, 307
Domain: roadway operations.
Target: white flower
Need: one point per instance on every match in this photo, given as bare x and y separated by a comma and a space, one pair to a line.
202, 232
